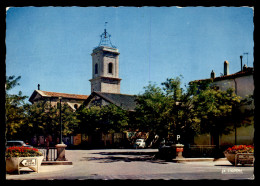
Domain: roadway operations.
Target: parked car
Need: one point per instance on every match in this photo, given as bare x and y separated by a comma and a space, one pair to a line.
16, 143
139, 143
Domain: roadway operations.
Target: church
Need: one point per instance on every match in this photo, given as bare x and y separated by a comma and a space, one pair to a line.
105, 82
105, 85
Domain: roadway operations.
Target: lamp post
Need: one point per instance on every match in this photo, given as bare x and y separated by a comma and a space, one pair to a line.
60, 98
61, 147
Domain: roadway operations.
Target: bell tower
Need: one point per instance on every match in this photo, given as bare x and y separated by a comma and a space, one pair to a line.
105, 66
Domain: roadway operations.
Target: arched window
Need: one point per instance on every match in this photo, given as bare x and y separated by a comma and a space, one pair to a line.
96, 68
76, 106
110, 68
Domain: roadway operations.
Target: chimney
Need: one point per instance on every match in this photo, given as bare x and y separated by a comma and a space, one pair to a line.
226, 68
212, 75
38, 86
244, 67
241, 57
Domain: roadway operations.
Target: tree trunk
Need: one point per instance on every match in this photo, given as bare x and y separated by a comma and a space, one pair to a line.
215, 141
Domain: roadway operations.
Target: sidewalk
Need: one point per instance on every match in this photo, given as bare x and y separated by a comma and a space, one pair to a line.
198, 160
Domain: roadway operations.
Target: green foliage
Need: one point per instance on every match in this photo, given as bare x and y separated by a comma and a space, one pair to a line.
15, 107
69, 120
109, 118
11, 82
152, 111
201, 108
216, 110
172, 88
45, 119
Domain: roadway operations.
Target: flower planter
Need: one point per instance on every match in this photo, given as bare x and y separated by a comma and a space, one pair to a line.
231, 157
243, 154
18, 157
13, 164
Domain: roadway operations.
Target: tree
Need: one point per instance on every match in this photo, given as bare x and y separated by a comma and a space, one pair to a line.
103, 119
113, 119
200, 108
218, 111
16, 115
152, 111
167, 111
180, 110
88, 119
44, 119
212, 104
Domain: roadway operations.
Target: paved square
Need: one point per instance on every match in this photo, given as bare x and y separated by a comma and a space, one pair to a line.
107, 164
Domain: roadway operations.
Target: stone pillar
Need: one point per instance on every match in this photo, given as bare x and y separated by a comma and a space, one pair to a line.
61, 152
179, 149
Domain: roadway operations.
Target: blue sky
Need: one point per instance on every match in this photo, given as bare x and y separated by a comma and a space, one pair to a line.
52, 45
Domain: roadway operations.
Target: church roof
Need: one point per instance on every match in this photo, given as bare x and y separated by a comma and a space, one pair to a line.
56, 94
126, 102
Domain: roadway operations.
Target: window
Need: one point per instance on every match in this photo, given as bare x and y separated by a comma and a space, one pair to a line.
110, 67
96, 68
76, 106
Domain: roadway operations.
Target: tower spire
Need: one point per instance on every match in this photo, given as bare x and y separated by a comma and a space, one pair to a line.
105, 38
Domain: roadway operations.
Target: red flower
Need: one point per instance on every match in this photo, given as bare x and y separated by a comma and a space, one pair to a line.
240, 149
22, 151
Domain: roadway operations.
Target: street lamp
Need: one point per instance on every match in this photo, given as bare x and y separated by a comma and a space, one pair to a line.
61, 147
60, 98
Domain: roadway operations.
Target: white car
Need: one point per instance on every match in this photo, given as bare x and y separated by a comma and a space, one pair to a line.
139, 143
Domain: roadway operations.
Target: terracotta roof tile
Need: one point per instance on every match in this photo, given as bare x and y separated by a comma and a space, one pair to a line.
64, 95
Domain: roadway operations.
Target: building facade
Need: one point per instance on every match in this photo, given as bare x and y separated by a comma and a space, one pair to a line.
242, 83
74, 101
53, 98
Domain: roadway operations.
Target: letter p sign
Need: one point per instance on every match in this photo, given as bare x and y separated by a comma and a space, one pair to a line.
178, 137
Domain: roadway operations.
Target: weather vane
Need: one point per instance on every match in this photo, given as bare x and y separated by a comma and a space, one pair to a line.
105, 38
